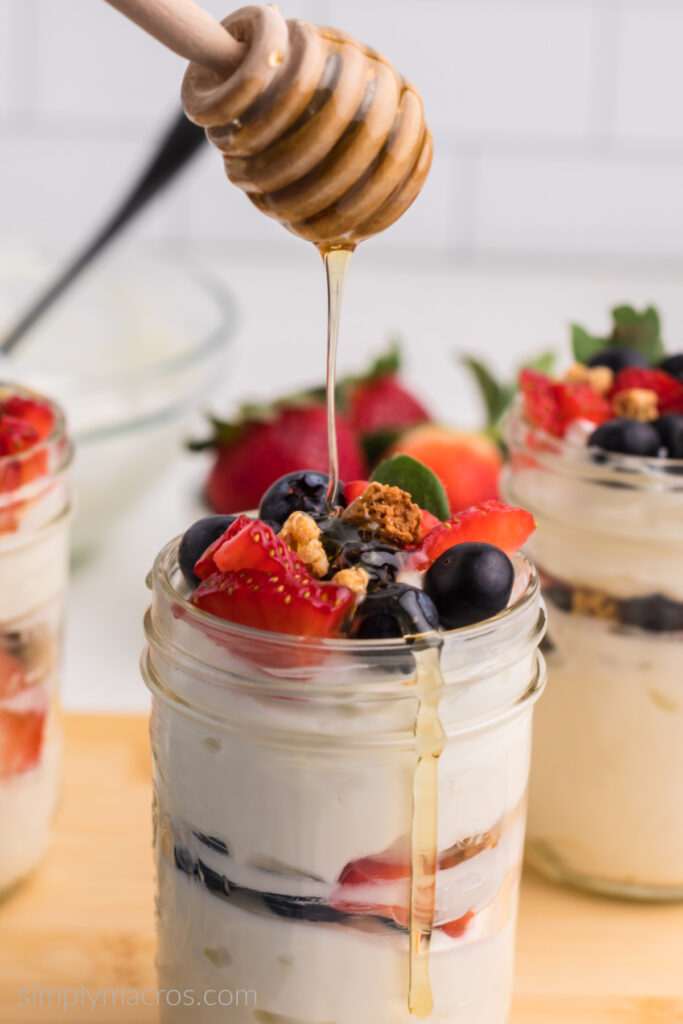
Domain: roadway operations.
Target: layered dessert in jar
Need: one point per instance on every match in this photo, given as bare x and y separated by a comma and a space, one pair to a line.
34, 509
341, 728
598, 458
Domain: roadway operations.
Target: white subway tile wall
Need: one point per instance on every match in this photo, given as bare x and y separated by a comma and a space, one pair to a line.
558, 125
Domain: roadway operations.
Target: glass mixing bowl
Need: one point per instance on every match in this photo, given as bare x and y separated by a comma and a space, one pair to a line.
131, 351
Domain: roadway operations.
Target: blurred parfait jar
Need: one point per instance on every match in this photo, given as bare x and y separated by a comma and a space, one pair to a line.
35, 456
606, 790
298, 786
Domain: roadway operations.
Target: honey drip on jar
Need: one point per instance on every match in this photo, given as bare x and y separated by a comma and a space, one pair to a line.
429, 741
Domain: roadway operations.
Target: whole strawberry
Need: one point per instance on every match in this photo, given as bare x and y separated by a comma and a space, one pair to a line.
379, 405
255, 452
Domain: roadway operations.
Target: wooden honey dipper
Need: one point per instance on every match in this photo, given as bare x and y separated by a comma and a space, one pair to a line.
319, 130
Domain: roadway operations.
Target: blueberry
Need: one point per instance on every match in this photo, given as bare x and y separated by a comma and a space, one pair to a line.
655, 613
305, 491
673, 365
618, 357
469, 582
197, 539
627, 436
381, 561
397, 610
670, 430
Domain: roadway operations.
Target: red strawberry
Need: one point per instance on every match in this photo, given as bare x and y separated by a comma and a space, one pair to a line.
541, 403
355, 892
295, 604
374, 869
12, 675
383, 403
352, 894
21, 739
31, 410
354, 489
205, 566
429, 521
668, 389
493, 522
257, 546
581, 401
253, 455
16, 436
458, 927
468, 465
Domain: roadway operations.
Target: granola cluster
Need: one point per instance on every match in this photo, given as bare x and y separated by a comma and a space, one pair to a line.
600, 378
637, 404
301, 534
388, 513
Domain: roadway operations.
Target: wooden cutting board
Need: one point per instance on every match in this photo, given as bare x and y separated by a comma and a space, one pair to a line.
86, 918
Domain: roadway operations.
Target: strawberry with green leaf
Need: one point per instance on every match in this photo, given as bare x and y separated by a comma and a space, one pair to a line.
264, 444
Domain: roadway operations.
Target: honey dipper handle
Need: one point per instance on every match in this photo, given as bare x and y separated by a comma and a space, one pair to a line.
187, 29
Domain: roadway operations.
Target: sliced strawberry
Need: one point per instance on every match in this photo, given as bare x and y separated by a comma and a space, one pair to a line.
17, 437
458, 927
354, 489
21, 740
429, 522
541, 403
257, 546
579, 401
276, 602
38, 414
668, 389
374, 869
365, 881
205, 565
12, 675
492, 522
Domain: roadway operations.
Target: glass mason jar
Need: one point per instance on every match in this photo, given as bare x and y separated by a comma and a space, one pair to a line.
34, 518
296, 782
606, 791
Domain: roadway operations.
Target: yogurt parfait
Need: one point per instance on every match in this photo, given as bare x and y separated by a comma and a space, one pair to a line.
34, 509
598, 458
341, 727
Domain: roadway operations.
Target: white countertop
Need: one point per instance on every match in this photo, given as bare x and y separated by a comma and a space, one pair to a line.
503, 313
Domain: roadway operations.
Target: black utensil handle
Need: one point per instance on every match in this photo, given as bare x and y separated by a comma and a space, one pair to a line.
179, 143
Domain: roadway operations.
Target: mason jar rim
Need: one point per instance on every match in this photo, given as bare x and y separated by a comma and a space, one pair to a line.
638, 472
167, 559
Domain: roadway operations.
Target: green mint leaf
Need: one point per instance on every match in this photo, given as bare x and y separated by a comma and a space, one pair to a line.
585, 345
640, 331
423, 486
494, 395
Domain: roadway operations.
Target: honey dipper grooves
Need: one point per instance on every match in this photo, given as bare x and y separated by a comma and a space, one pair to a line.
319, 130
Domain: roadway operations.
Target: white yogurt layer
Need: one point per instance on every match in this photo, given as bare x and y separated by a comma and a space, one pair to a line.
278, 971
627, 542
27, 805
605, 789
33, 569
314, 811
